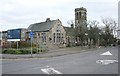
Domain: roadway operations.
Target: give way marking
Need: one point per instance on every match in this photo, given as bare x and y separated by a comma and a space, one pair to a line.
49, 70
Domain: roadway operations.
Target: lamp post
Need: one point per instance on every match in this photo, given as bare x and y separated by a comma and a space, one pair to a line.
99, 39
86, 37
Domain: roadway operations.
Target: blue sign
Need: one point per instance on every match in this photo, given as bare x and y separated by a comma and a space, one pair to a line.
31, 34
14, 34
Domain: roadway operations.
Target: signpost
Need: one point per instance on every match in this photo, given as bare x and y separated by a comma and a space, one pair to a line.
31, 36
14, 35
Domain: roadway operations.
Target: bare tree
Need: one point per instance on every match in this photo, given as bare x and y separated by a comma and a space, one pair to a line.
93, 32
110, 30
71, 23
111, 24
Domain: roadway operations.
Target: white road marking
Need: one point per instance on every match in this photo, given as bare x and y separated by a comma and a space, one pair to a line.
50, 71
106, 62
106, 53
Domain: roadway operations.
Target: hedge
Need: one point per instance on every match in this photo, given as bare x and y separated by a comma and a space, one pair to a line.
22, 51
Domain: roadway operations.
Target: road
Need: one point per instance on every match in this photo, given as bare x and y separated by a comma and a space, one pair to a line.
79, 63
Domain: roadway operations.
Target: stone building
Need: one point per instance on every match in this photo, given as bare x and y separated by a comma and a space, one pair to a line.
3, 39
80, 16
70, 36
80, 24
50, 34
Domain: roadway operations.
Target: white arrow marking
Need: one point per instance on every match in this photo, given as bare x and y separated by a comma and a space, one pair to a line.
106, 53
50, 71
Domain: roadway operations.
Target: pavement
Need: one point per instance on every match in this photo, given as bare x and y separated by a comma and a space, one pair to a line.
50, 53
77, 63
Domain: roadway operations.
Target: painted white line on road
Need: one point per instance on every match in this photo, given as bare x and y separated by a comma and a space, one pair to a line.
106, 62
106, 53
50, 71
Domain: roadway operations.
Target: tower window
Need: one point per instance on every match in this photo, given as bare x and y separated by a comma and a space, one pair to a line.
77, 16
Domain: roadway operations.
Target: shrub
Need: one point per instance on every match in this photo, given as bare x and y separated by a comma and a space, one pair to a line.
22, 51
12, 51
25, 51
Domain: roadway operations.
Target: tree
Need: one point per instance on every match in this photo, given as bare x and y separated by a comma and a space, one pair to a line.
71, 23
93, 32
80, 31
70, 33
109, 31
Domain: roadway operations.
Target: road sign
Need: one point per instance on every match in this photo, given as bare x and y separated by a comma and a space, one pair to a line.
31, 34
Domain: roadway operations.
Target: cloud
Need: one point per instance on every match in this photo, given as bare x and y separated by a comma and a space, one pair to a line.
22, 13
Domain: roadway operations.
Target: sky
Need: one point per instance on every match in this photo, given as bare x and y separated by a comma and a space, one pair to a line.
21, 13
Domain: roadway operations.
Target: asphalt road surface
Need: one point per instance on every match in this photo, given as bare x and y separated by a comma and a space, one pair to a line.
80, 63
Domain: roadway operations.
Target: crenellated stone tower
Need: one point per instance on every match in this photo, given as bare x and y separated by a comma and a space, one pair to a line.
80, 16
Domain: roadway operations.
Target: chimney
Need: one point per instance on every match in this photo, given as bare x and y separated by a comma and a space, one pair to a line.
48, 19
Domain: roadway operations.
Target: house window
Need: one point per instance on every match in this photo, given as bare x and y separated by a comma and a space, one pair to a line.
57, 30
57, 37
43, 37
59, 24
54, 37
38, 34
34, 35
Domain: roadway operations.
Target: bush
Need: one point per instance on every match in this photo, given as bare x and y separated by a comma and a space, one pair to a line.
23, 51
22, 44
11, 51
15, 51
34, 50
43, 50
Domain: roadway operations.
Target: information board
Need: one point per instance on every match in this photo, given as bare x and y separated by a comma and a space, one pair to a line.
14, 34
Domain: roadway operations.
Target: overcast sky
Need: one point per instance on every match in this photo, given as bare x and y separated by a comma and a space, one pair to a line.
22, 13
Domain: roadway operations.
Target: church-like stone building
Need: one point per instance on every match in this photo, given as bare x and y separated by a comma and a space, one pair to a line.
50, 33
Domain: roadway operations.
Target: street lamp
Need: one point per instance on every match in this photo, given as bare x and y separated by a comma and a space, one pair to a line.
86, 37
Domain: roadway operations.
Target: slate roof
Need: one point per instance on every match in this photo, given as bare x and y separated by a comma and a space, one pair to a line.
43, 26
69, 31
